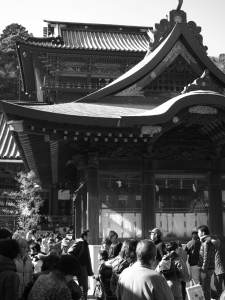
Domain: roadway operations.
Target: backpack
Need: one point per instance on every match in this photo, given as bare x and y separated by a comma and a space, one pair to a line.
165, 267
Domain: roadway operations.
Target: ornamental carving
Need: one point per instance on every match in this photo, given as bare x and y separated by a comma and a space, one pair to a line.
175, 120
204, 83
123, 152
133, 90
195, 30
199, 119
177, 49
179, 153
92, 159
203, 110
151, 130
79, 161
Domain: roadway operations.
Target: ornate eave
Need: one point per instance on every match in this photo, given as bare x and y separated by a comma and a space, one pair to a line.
182, 32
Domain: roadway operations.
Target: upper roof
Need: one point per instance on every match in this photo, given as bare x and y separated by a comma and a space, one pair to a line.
86, 36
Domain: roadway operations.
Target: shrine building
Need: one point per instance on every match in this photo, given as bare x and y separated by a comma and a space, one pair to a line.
128, 129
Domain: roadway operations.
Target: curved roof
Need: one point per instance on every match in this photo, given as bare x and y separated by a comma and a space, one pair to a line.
106, 115
180, 31
94, 40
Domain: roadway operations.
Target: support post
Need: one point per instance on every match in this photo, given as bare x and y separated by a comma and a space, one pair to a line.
93, 206
215, 199
84, 207
78, 216
148, 202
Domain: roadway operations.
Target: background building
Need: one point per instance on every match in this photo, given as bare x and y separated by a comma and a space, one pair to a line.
145, 150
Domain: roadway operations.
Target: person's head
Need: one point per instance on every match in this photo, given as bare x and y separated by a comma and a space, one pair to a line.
85, 235
128, 250
50, 262
46, 234
155, 234
172, 246
103, 255
194, 235
54, 251
64, 230
69, 266
35, 248
5, 234
203, 230
24, 246
112, 236
9, 248
146, 251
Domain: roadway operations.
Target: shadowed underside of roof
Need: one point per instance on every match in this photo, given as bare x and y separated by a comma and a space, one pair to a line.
8, 148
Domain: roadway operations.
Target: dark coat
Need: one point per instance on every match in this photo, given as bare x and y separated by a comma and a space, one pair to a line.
9, 280
84, 259
193, 248
160, 249
207, 254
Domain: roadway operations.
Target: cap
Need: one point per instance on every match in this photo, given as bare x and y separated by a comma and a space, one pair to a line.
157, 231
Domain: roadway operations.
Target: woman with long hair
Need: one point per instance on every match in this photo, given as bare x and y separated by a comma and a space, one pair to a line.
178, 270
125, 259
111, 244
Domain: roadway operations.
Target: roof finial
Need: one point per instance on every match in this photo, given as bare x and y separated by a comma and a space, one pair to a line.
180, 2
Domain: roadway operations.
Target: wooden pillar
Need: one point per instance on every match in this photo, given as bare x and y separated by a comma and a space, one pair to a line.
215, 199
78, 216
93, 206
54, 201
148, 200
84, 207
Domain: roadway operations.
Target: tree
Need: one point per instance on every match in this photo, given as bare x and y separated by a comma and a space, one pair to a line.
9, 66
219, 61
27, 202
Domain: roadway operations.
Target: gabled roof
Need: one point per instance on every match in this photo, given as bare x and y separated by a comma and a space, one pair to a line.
180, 32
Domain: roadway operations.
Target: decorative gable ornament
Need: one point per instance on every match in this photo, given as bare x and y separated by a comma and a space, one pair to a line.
203, 110
204, 83
163, 28
177, 49
151, 130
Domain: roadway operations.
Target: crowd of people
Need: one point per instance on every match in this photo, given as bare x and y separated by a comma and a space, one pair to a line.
56, 267
152, 269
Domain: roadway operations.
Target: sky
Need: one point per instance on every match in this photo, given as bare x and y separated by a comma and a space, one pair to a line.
208, 14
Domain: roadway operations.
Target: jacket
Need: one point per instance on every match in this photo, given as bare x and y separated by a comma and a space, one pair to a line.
207, 254
9, 280
118, 265
52, 286
193, 248
219, 265
180, 271
24, 269
141, 282
160, 248
80, 249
